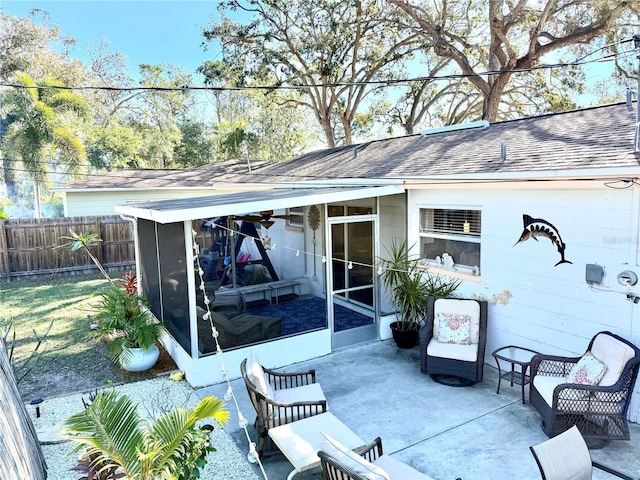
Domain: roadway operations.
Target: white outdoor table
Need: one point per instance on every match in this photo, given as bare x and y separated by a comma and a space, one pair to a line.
300, 441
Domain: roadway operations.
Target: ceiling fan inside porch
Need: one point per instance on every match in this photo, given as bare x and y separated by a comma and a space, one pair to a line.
264, 218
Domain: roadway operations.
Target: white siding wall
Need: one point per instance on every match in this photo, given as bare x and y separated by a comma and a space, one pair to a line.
553, 310
77, 204
393, 222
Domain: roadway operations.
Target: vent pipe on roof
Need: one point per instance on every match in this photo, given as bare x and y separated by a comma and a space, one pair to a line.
452, 128
354, 153
503, 150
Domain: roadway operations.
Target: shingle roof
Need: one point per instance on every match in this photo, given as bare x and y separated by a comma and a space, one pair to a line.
593, 138
194, 177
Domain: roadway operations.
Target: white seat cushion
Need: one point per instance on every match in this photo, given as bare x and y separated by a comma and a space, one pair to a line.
568, 401
351, 460
306, 393
614, 354
458, 307
465, 353
398, 470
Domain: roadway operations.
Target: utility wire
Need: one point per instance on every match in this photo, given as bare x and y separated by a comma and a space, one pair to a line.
388, 82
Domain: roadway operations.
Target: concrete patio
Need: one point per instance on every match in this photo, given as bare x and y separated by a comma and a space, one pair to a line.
470, 433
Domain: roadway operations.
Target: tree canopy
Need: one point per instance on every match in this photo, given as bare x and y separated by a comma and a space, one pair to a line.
506, 35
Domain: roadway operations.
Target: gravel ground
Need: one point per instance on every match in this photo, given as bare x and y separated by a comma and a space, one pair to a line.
153, 397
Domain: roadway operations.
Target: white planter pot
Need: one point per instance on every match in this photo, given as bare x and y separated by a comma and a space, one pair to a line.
139, 360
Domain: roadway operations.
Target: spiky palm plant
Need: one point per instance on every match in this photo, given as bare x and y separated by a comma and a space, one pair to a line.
410, 286
114, 434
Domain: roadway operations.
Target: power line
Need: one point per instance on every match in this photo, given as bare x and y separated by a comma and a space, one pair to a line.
388, 82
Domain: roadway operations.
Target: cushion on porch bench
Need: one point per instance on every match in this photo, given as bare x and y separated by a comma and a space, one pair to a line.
398, 470
350, 459
614, 354
465, 353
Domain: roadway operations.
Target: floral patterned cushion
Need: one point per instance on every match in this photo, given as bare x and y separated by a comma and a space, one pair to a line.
454, 328
588, 371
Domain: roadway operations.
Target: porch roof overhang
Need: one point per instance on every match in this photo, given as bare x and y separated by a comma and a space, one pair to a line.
243, 202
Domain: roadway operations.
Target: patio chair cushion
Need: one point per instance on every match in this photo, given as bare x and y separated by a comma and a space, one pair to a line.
614, 354
398, 470
545, 385
350, 459
454, 328
458, 307
465, 353
305, 393
257, 377
587, 371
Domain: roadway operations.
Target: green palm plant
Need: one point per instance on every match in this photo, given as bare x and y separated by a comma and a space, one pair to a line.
43, 127
171, 447
410, 286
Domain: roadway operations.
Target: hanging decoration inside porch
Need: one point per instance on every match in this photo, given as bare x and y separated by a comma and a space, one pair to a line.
313, 219
538, 227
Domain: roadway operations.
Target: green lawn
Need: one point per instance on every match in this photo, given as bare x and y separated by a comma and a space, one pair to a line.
71, 361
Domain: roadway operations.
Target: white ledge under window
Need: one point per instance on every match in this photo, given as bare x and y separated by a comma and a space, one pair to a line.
462, 273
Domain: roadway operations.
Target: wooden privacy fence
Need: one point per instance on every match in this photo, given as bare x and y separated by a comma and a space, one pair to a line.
20, 453
27, 245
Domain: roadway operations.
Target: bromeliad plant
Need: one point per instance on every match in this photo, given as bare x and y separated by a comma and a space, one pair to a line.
118, 440
410, 286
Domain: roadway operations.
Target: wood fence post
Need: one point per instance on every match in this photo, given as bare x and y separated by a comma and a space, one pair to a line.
97, 228
4, 247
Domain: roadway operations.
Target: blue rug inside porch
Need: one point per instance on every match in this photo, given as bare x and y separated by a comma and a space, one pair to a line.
308, 314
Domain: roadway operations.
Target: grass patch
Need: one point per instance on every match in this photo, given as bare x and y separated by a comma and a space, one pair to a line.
70, 361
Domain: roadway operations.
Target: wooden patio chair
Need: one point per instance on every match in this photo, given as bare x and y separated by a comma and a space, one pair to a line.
365, 463
565, 395
456, 364
566, 457
280, 398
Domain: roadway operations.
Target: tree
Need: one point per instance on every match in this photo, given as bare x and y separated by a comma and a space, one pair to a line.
39, 50
331, 49
43, 130
515, 34
196, 147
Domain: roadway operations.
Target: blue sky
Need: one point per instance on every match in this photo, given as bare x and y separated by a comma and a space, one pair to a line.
144, 31
155, 31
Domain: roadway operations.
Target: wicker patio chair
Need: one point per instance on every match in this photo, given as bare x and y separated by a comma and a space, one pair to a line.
340, 464
566, 457
599, 411
280, 398
464, 364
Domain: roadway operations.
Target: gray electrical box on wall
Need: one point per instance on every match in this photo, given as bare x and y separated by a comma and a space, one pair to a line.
594, 274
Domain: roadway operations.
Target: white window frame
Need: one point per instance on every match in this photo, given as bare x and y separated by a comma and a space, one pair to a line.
298, 224
473, 236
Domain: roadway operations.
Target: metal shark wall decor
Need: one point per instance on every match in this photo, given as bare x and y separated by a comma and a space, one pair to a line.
537, 227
